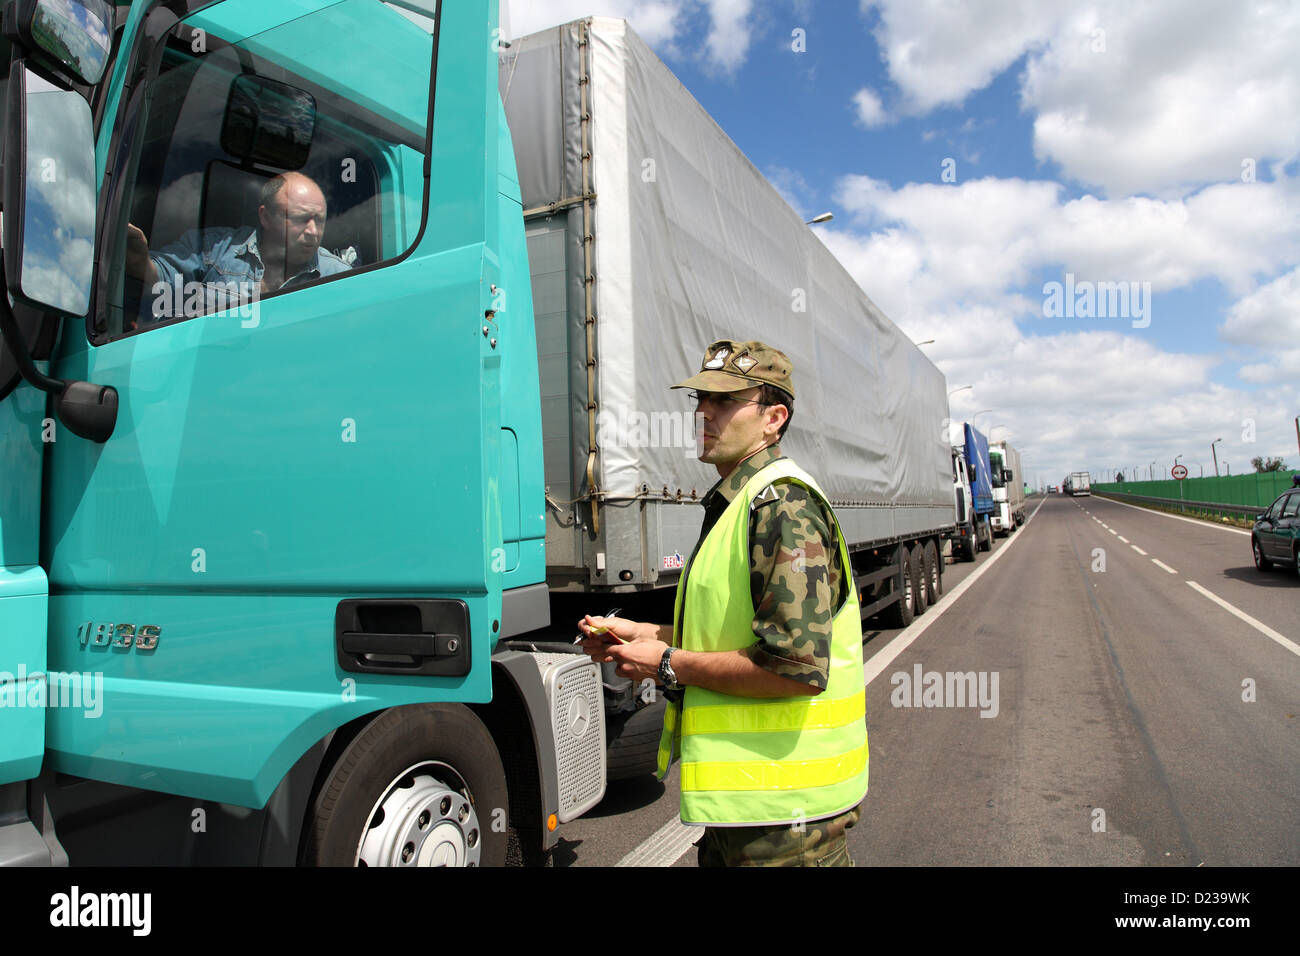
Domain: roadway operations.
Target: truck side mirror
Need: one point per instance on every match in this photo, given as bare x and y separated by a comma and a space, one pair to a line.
49, 194
48, 233
76, 35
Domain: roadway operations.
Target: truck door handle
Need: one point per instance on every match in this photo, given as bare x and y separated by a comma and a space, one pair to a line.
414, 636
415, 645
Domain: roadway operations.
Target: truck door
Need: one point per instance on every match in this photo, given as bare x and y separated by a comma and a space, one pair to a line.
24, 589
292, 523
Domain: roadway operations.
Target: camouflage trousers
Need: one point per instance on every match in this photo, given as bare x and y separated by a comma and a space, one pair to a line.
813, 843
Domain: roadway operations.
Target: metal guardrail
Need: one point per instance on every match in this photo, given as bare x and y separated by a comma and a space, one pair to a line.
1246, 511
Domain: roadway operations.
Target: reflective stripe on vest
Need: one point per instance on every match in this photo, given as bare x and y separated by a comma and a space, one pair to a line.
749, 761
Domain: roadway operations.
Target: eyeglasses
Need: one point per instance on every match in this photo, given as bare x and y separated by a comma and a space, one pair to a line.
720, 399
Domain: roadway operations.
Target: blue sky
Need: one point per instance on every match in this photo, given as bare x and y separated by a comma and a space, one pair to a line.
1153, 145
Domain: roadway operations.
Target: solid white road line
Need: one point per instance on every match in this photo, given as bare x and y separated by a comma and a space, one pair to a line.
903, 640
1159, 563
1138, 550
665, 846
1112, 531
1124, 539
1262, 628
1203, 524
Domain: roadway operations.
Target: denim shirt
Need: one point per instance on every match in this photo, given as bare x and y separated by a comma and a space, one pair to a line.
229, 256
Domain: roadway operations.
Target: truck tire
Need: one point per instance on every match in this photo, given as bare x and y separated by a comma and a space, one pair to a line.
420, 786
934, 582
900, 613
920, 572
633, 748
986, 535
969, 544
1261, 563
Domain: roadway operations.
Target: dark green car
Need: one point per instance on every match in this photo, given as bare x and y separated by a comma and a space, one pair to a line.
1275, 539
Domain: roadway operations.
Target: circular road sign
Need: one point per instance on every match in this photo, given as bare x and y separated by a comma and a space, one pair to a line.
1179, 472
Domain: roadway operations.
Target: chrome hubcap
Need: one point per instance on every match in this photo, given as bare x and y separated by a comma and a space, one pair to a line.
424, 818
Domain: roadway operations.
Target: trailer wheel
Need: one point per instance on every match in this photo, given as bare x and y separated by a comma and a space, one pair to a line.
423, 785
921, 574
633, 748
970, 543
934, 581
900, 613
986, 535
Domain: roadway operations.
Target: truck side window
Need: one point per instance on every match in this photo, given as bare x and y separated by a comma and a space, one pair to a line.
267, 153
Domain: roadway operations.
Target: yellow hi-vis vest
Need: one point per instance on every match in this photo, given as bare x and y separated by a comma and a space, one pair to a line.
753, 761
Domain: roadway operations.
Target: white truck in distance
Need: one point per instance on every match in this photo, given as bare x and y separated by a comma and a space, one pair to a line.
1079, 484
1008, 488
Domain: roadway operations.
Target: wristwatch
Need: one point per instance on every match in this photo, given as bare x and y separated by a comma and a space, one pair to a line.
666, 673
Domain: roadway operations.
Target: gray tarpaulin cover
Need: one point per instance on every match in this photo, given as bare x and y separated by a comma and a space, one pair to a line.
692, 245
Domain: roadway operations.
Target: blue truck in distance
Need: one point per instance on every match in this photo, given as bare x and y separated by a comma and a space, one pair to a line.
980, 471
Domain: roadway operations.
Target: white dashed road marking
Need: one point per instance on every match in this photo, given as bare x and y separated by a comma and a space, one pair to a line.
1159, 563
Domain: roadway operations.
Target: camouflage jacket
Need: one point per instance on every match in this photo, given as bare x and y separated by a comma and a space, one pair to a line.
794, 572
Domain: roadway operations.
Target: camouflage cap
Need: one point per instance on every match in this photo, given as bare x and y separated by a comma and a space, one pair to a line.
731, 366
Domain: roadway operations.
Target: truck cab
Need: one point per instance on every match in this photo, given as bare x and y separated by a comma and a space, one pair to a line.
273, 490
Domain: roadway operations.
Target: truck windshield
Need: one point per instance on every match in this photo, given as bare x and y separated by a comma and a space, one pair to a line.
995, 464
270, 150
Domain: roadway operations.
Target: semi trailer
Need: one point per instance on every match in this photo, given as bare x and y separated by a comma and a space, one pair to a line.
310, 555
1008, 488
979, 472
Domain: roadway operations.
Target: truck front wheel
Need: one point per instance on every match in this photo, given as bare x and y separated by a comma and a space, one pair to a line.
422, 785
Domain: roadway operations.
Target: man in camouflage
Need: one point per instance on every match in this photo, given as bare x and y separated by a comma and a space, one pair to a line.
745, 399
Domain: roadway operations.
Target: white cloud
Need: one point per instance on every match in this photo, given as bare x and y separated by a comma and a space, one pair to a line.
980, 237
657, 21
1160, 97
938, 52
961, 264
664, 24
870, 111
1270, 317
729, 33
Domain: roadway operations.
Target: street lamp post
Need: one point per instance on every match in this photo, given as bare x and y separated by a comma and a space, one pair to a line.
974, 419
1216, 456
824, 217
956, 390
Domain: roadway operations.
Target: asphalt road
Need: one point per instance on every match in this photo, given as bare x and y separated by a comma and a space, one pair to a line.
1137, 720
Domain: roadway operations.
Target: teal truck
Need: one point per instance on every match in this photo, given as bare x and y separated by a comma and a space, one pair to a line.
303, 497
